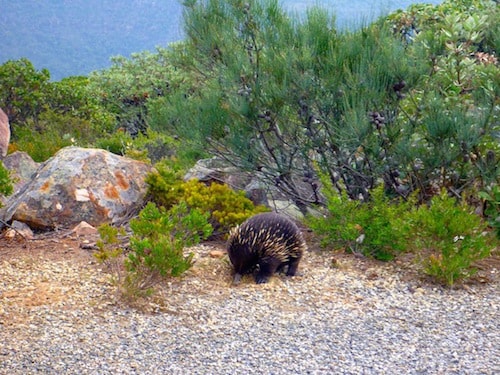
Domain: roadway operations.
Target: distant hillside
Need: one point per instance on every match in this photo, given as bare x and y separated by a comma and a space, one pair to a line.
71, 37
75, 37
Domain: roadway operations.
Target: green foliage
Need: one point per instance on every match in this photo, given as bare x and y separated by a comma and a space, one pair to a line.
452, 128
6, 187
227, 208
160, 237
224, 207
52, 132
378, 228
38, 147
152, 146
22, 90
108, 243
277, 94
491, 198
157, 244
75, 97
129, 85
46, 116
164, 184
110, 253
118, 142
270, 92
447, 237
454, 235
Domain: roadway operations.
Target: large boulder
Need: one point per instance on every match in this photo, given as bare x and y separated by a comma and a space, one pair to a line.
4, 134
80, 184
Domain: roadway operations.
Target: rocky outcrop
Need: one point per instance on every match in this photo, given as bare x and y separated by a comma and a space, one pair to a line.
4, 134
79, 184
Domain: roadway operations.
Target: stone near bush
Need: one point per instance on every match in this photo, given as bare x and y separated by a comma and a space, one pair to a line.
4, 134
22, 168
80, 184
217, 170
18, 228
84, 229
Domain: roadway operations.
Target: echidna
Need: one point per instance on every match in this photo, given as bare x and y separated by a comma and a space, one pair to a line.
268, 242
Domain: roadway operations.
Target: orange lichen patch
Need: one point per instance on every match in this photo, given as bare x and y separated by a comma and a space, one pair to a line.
111, 192
121, 180
103, 211
45, 187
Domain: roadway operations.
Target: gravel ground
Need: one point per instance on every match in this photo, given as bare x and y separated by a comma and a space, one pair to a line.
59, 316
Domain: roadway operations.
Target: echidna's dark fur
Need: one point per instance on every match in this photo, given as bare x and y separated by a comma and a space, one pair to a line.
269, 241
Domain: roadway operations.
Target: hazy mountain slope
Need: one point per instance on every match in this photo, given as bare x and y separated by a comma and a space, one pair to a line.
71, 37
78, 36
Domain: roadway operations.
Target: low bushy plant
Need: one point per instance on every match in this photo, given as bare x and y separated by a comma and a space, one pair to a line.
41, 144
446, 236
159, 239
151, 147
377, 228
52, 131
164, 184
117, 143
224, 206
6, 187
110, 254
491, 197
156, 248
108, 244
455, 237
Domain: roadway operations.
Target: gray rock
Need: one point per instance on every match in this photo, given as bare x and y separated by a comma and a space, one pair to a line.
84, 229
217, 170
80, 184
18, 228
22, 168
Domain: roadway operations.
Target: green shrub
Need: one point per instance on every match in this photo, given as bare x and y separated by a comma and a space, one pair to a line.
110, 254
6, 187
40, 145
378, 228
23, 90
491, 198
117, 143
165, 184
411, 100
160, 237
447, 237
51, 132
152, 147
157, 248
454, 235
224, 206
